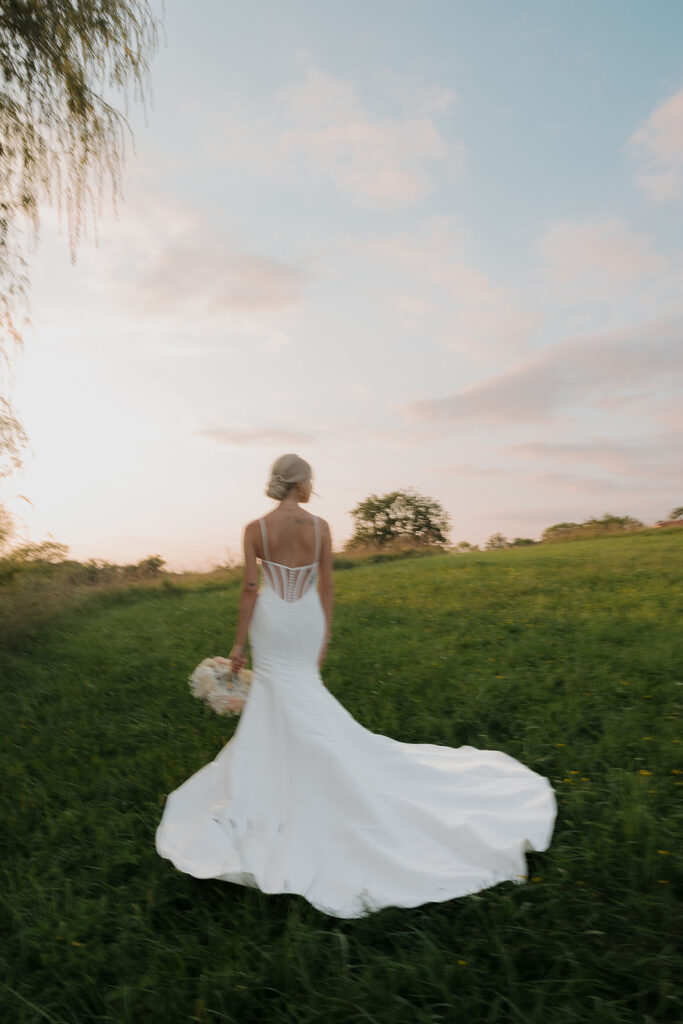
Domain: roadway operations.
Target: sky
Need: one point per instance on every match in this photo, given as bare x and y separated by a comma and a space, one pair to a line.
433, 245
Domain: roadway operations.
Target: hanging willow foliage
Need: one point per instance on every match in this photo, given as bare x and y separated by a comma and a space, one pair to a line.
56, 127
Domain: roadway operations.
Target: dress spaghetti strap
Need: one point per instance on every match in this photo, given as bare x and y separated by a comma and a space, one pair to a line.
289, 582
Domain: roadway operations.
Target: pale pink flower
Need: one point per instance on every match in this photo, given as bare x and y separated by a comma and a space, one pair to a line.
222, 690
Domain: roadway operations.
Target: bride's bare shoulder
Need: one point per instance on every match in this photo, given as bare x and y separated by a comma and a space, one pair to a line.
325, 527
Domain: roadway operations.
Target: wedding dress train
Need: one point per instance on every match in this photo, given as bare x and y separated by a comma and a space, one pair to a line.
304, 799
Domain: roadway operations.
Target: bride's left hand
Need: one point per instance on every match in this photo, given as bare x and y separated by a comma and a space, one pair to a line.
237, 657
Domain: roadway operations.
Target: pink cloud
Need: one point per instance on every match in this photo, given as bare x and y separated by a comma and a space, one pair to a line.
256, 436
468, 469
320, 130
656, 148
437, 288
590, 260
571, 483
654, 458
197, 274
568, 374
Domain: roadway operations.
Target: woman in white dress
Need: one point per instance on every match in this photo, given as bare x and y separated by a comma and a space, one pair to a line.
303, 798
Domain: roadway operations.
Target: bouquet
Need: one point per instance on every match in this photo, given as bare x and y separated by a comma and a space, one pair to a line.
225, 691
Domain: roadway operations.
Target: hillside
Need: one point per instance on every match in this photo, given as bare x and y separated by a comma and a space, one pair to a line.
566, 656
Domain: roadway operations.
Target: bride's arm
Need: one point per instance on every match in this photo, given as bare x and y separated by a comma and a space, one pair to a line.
326, 586
248, 595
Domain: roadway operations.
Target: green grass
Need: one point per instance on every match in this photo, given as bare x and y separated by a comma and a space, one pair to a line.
568, 657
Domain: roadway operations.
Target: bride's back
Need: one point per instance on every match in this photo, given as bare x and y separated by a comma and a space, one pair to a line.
291, 538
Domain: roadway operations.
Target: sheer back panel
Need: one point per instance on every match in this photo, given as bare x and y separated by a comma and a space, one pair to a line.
289, 582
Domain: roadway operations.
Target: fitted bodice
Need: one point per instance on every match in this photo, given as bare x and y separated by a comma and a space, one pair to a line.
290, 582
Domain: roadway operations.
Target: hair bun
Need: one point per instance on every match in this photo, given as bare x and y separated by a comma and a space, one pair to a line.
287, 471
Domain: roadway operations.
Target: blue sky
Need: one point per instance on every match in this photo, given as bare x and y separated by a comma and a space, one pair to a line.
433, 245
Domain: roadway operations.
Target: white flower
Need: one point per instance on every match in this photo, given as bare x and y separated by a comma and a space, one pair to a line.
224, 703
213, 681
202, 680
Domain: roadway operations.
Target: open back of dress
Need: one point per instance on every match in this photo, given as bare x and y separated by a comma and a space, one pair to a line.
290, 582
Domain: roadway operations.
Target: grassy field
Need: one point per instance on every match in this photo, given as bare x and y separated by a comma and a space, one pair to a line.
566, 656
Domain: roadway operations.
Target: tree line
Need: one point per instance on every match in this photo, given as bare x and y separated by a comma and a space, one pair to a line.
406, 516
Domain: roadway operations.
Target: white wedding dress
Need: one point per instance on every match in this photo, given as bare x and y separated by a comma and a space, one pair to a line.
304, 799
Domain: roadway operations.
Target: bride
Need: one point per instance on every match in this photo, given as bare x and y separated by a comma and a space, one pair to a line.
303, 798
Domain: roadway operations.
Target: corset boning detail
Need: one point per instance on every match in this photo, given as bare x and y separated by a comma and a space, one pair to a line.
288, 583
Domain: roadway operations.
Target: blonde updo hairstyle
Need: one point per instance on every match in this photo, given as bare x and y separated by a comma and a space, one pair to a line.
285, 473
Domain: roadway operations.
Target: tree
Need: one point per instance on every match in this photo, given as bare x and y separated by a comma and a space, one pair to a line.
496, 542
520, 542
676, 513
560, 530
464, 545
592, 527
53, 122
399, 515
612, 524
